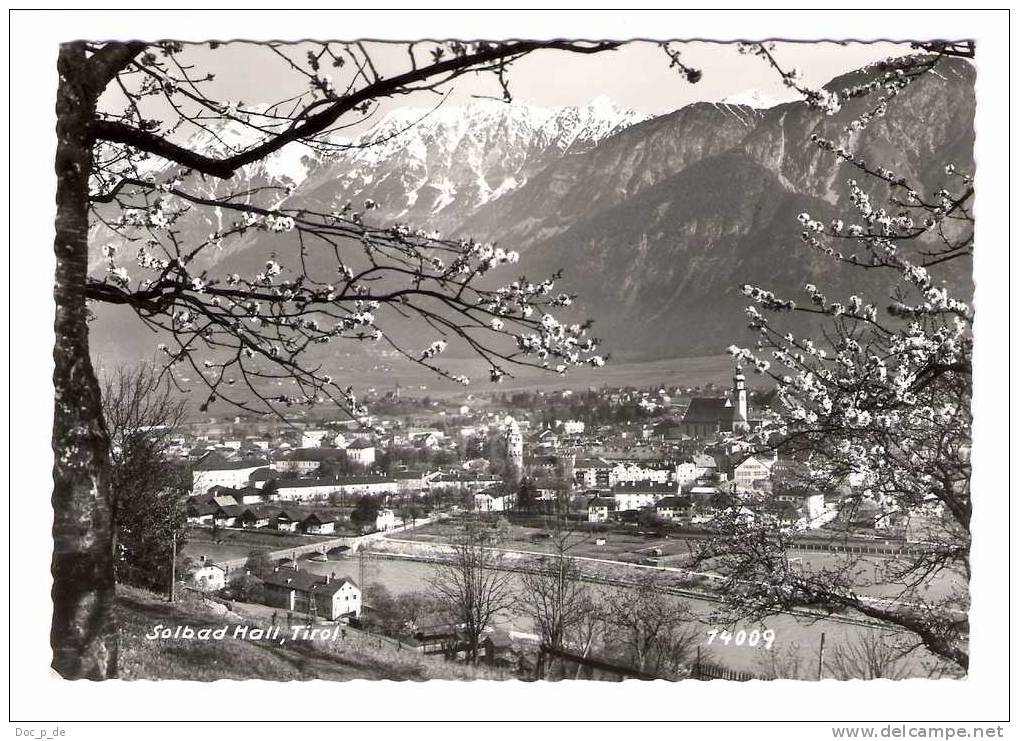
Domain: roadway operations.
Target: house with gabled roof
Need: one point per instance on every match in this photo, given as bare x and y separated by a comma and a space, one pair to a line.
640, 494
201, 512
313, 524
326, 596
600, 509
215, 470
673, 507
495, 499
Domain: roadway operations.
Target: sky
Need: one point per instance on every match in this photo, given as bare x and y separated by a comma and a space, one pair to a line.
635, 76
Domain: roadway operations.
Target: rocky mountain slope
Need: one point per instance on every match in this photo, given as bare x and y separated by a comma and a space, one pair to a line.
656, 223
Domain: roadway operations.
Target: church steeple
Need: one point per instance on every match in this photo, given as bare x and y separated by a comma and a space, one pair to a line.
740, 413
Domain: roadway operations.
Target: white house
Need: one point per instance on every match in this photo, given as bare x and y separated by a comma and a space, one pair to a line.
697, 467
626, 472
311, 489
640, 494
494, 500
748, 473
599, 509
214, 470
811, 504
328, 596
315, 438
361, 453
673, 507
385, 520
209, 577
573, 427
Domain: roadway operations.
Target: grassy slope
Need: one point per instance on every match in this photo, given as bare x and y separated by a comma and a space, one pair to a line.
357, 657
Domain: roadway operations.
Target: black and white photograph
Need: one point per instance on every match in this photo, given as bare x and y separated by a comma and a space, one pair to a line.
553, 361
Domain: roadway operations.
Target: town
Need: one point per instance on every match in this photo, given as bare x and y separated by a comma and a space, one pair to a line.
635, 474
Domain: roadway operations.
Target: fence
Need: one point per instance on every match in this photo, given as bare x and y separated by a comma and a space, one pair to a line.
705, 671
576, 666
878, 550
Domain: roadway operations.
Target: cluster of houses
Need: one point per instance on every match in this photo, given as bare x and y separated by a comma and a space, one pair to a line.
696, 489
289, 588
247, 508
664, 468
691, 491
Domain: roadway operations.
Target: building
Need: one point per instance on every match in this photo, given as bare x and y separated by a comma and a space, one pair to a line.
254, 517
513, 448
227, 515
592, 473
462, 482
429, 439
288, 520
316, 438
673, 507
628, 472
809, 504
409, 482
640, 494
306, 461
385, 520
300, 490
708, 417
494, 500
327, 597
261, 476
698, 467
313, 524
209, 577
573, 427
215, 470
361, 452
753, 473
600, 509
201, 512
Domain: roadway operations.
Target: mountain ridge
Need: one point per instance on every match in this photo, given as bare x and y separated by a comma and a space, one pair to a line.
656, 221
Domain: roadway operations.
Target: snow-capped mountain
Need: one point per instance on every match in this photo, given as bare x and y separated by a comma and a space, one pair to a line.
429, 167
430, 164
436, 167
753, 98
656, 223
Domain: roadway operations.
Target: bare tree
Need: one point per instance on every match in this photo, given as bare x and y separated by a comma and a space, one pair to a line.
473, 586
872, 654
552, 593
149, 489
126, 112
784, 662
650, 630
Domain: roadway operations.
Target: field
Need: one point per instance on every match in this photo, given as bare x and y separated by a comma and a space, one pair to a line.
619, 545
633, 546
685, 372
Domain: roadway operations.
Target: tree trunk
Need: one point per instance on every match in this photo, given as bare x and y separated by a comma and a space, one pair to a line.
83, 633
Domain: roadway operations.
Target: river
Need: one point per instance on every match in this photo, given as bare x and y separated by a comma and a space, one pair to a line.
796, 637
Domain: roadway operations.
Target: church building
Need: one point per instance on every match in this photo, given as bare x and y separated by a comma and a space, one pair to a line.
708, 417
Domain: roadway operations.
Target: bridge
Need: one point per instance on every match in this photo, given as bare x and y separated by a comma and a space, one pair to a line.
348, 544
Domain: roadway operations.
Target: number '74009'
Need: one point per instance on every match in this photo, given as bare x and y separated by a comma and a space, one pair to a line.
751, 638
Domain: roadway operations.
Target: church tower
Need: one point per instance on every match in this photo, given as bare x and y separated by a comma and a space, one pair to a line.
511, 451
740, 412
